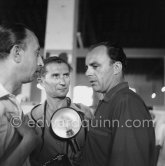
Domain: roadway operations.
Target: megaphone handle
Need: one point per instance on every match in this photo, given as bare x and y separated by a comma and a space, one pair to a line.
73, 146
66, 147
77, 145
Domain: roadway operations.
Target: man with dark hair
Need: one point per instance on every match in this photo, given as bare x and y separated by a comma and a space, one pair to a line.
55, 79
118, 135
19, 57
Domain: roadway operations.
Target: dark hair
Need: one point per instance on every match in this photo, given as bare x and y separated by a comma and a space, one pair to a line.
10, 35
53, 59
64, 56
115, 53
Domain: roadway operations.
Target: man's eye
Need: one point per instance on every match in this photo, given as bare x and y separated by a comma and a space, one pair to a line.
37, 53
86, 68
55, 76
95, 66
66, 75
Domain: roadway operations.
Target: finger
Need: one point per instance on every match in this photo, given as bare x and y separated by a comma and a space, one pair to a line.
25, 119
8, 115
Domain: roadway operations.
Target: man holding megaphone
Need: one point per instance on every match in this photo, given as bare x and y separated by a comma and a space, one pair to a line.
61, 142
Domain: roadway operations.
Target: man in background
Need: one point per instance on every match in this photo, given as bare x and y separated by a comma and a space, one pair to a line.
55, 79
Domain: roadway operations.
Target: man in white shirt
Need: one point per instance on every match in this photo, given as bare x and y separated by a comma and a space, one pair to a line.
19, 58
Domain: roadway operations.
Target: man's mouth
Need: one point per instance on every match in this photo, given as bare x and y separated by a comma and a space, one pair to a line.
38, 72
92, 82
62, 89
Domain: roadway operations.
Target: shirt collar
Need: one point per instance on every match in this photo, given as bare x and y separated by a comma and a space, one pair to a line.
114, 90
12, 98
3, 91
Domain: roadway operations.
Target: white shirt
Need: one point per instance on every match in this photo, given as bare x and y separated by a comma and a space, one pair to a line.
8, 104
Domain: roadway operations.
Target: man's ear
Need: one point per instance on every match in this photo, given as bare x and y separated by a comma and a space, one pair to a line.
117, 66
17, 53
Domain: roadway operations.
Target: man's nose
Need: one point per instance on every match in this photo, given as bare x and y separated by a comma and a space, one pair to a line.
62, 81
40, 61
88, 72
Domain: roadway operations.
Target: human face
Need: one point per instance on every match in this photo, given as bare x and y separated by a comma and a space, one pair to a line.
100, 70
31, 58
57, 80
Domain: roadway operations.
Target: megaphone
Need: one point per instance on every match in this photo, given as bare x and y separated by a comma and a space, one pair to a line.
66, 123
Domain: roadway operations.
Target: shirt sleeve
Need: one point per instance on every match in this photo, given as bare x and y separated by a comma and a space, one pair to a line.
133, 135
6, 131
160, 133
